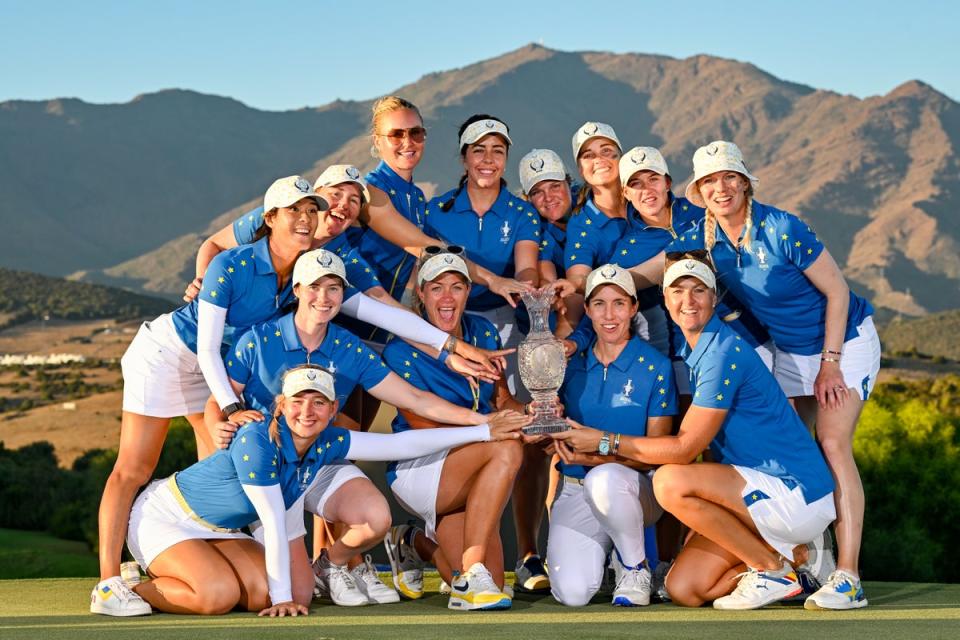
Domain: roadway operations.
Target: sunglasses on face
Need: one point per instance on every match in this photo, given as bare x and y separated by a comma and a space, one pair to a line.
396, 136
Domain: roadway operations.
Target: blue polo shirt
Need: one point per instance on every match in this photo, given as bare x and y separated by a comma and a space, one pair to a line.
243, 281
620, 397
266, 351
770, 282
552, 245
213, 489
761, 430
488, 240
431, 375
360, 274
592, 236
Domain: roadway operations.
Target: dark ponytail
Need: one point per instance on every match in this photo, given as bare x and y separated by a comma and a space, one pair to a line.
446, 206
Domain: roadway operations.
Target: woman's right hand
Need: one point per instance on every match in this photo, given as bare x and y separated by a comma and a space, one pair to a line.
507, 288
192, 290
245, 416
223, 432
506, 425
285, 609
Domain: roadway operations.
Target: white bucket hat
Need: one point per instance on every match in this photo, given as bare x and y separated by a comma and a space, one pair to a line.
315, 264
439, 264
611, 274
540, 165
690, 267
309, 379
642, 159
590, 130
719, 155
477, 130
340, 173
286, 191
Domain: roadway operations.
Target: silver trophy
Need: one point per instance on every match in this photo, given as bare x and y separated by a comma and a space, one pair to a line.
542, 362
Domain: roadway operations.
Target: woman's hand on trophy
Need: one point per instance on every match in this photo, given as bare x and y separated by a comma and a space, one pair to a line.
579, 438
562, 288
508, 288
554, 406
569, 348
506, 425
493, 361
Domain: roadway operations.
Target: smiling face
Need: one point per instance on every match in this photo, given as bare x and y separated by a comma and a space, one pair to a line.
599, 162
725, 193
403, 155
444, 299
690, 303
612, 311
307, 414
551, 199
293, 226
649, 193
485, 160
345, 200
319, 301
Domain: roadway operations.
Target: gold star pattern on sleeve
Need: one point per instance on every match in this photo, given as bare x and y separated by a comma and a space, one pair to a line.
277, 333
221, 279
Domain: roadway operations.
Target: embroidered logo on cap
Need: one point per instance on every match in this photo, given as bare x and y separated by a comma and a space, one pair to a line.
713, 149
352, 173
325, 259
690, 265
302, 185
311, 375
591, 128
489, 124
638, 157
537, 164
448, 259
608, 272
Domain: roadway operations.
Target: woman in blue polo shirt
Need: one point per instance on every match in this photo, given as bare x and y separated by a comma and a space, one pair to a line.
827, 349
174, 362
622, 386
255, 367
185, 529
460, 494
769, 491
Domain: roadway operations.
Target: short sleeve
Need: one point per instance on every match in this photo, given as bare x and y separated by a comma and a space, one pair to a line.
218, 282
583, 241
402, 359
239, 363
359, 273
254, 456
719, 379
798, 242
245, 227
528, 225
371, 370
663, 392
335, 444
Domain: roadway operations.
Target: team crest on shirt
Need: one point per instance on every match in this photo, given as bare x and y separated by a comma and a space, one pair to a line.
302, 185
762, 258
505, 232
332, 367
352, 173
305, 480
537, 165
628, 388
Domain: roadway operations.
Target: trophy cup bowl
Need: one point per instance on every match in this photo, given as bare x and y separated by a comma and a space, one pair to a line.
542, 363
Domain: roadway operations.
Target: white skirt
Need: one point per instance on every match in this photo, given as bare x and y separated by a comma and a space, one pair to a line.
161, 376
416, 488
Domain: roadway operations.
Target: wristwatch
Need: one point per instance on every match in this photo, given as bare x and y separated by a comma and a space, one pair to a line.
231, 409
604, 447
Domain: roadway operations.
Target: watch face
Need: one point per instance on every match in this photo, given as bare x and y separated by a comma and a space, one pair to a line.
604, 447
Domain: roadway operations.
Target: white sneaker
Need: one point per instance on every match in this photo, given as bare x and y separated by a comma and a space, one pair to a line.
444, 588
840, 591
112, 597
367, 580
632, 587
759, 588
405, 564
475, 590
820, 564
337, 582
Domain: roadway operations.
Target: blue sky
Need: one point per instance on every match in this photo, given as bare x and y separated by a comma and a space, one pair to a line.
285, 55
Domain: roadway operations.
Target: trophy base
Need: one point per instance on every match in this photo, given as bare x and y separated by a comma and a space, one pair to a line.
545, 428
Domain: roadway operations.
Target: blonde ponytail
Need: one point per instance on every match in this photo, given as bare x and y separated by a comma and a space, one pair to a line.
274, 429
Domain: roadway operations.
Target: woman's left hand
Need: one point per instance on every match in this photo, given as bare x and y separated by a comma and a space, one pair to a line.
563, 288
579, 438
469, 370
492, 361
507, 288
829, 387
569, 456
285, 609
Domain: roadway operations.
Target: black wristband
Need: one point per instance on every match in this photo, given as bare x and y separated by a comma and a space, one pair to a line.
231, 409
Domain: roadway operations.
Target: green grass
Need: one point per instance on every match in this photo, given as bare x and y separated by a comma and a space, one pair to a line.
29, 554
52, 609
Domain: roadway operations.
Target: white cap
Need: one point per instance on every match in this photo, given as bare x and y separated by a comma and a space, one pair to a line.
690, 267
641, 159
308, 379
315, 264
287, 191
591, 130
436, 265
338, 174
540, 165
481, 128
611, 274
719, 155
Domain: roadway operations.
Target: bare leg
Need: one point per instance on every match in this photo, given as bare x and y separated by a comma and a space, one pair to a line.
205, 445
529, 498
703, 571
363, 509
141, 441
192, 577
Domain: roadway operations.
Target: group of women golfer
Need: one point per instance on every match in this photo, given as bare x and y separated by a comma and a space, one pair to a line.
707, 337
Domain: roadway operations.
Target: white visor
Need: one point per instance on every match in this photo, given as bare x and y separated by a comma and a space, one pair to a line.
309, 379
690, 267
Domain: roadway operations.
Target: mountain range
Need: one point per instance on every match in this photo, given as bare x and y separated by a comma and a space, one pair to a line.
123, 194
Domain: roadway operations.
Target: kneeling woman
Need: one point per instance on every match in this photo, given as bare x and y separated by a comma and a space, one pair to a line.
459, 493
185, 529
770, 490
621, 386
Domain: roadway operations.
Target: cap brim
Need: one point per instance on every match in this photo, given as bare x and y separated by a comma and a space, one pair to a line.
549, 175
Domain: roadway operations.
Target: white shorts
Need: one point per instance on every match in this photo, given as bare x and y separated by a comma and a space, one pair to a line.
504, 319
329, 478
416, 488
783, 518
161, 376
160, 518
860, 364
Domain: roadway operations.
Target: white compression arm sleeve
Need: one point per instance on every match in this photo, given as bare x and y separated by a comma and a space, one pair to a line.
414, 443
404, 324
268, 501
210, 322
